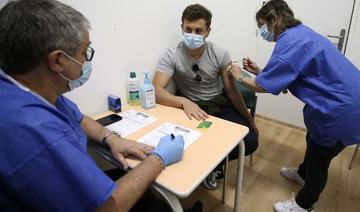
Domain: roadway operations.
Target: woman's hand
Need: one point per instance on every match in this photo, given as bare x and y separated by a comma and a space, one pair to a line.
234, 70
250, 66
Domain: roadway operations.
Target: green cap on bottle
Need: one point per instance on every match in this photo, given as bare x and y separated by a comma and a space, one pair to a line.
132, 75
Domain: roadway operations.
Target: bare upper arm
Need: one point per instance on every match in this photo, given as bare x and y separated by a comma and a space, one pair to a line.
228, 80
161, 80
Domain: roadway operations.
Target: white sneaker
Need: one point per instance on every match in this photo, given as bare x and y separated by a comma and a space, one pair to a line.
290, 206
291, 173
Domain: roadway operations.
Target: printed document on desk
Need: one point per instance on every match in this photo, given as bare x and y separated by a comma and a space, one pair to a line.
132, 121
153, 137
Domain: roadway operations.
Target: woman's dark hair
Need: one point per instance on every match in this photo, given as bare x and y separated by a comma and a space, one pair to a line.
281, 11
195, 12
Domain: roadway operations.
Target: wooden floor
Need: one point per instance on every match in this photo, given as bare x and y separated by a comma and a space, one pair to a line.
262, 186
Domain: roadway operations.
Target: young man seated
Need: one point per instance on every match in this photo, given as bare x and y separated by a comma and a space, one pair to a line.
198, 68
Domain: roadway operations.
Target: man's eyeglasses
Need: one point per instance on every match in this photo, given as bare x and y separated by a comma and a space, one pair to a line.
196, 68
89, 54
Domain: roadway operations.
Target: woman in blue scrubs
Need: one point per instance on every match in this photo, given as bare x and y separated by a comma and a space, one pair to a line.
314, 71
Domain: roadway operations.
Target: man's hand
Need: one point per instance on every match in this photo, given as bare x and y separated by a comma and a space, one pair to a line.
121, 148
193, 110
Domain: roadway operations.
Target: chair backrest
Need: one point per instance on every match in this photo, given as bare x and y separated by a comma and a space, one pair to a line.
248, 95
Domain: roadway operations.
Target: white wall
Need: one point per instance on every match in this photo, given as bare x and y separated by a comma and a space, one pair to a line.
353, 47
132, 35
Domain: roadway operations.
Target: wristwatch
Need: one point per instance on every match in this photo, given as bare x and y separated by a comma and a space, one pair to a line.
106, 136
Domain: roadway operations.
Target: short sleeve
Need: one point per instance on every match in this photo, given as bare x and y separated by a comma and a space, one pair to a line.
166, 64
226, 59
277, 75
59, 177
69, 106
221, 56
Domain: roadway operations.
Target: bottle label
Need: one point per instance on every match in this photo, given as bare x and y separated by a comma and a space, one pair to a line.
150, 98
134, 98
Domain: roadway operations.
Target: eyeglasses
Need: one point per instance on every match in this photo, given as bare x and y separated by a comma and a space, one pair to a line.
196, 68
89, 54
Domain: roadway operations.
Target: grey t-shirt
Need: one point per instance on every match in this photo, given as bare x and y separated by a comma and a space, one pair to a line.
177, 62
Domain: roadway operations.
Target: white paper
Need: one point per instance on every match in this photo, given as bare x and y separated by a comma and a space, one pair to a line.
153, 137
132, 121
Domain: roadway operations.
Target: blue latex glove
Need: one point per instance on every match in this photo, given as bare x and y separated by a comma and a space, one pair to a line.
170, 149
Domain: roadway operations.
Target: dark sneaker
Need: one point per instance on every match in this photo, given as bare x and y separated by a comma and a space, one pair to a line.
220, 174
210, 181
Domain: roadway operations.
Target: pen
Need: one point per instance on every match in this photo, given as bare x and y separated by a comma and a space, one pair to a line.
172, 136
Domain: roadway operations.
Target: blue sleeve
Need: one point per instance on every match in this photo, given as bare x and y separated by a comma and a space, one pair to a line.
72, 107
277, 75
44, 165
59, 177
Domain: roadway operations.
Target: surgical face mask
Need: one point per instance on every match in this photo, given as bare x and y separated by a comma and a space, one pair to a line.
266, 34
193, 41
85, 74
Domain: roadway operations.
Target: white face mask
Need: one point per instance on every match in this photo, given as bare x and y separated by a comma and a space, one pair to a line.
86, 69
193, 41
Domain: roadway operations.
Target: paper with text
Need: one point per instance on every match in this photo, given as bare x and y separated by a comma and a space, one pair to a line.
131, 122
153, 137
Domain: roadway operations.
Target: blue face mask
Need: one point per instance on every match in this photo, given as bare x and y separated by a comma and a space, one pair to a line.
266, 34
85, 74
193, 41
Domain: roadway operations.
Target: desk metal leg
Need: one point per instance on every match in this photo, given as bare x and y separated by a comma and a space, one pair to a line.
239, 177
225, 180
170, 198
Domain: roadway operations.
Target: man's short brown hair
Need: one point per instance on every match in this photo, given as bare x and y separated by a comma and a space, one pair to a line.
195, 12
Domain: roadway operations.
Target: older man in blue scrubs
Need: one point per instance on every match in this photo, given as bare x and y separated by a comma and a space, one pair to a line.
44, 165
313, 70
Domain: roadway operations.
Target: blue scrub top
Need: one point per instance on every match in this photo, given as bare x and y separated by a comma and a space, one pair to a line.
44, 165
313, 70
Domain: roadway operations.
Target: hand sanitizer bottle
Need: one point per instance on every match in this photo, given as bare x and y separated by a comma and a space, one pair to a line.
133, 90
147, 92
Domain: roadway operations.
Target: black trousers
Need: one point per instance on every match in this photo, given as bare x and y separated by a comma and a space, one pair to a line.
251, 140
148, 202
314, 170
